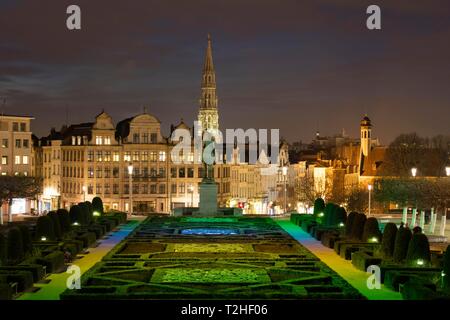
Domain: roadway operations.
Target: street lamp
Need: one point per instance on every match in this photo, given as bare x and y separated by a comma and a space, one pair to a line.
130, 182
369, 187
414, 171
447, 171
285, 169
191, 191
84, 193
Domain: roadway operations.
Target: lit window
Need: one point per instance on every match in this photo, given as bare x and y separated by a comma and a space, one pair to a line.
5, 143
17, 160
74, 140
98, 140
153, 155
136, 156
4, 159
99, 156
127, 156
162, 156
107, 140
25, 159
18, 143
116, 156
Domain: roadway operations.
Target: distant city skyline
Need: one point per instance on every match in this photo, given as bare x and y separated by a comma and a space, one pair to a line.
299, 67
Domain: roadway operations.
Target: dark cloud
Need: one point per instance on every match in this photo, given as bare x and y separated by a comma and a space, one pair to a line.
294, 65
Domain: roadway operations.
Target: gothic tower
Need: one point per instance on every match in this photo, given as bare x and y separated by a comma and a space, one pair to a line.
208, 114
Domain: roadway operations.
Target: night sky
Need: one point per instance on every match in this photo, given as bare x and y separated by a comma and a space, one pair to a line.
294, 65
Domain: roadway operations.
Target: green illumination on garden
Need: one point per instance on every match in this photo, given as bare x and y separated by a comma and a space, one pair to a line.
341, 224
420, 262
373, 240
75, 224
96, 214
43, 238
320, 215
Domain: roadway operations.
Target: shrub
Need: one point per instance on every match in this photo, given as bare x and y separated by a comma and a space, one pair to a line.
349, 223
76, 214
85, 214
44, 228
401, 244
3, 251
328, 214
371, 230
64, 220
446, 271
417, 230
14, 244
418, 250
319, 206
56, 224
388, 241
53, 261
97, 205
90, 210
358, 226
26, 238
340, 216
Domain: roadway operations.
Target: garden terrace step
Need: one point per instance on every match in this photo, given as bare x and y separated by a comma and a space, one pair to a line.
54, 262
318, 232
348, 249
386, 268
363, 259
36, 270
393, 279
330, 238
338, 244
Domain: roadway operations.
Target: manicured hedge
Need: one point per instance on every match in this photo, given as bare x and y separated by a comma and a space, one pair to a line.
56, 224
6, 292
349, 223
15, 252
53, 261
85, 218
371, 230
76, 215
446, 280
358, 226
44, 228
388, 241
401, 244
23, 278
319, 206
97, 205
418, 249
36, 270
88, 238
64, 220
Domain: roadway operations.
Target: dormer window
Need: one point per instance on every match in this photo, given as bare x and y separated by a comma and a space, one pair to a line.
107, 140
74, 140
153, 137
136, 138
79, 140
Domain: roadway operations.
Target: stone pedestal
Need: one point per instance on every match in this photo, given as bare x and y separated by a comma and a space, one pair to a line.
208, 198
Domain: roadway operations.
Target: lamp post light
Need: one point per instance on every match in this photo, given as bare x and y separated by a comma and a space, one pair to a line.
84, 193
447, 171
191, 191
285, 169
369, 187
414, 171
130, 182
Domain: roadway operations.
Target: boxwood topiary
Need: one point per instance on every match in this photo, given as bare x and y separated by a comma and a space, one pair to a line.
418, 250
44, 228
358, 226
327, 214
56, 224
401, 244
371, 230
388, 241
90, 210
349, 223
340, 216
64, 220
319, 206
76, 214
26, 238
14, 249
97, 205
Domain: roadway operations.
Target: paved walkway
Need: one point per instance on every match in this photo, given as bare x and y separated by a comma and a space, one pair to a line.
57, 285
355, 277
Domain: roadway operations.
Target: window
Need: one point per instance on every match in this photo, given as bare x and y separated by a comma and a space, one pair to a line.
181, 173
23, 127
107, 140
153, 138
153, 156
90, 172
153, 172
99, 172
90, 189
116, 172
136, 138
162, 188
127, 156
162, 156
15, 126
153, 188
5, 143
107, 157
145, 137
162, 172
98, 189
200, 172
107, 191
90, 156
136, 156
144, 156
173, 188
115, 188
190, 172
181, 188
99, 140
107, 173
135, 188
145, 172
4, 159
74, 140
145, 188
116, 156
99, 156
17, 160
173, 172
79, 140
25, 160
18, 143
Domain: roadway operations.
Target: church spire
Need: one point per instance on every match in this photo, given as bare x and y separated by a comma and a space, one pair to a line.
208, 114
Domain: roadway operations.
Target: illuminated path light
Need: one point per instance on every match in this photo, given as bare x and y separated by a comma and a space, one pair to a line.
57, 285
357, 278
